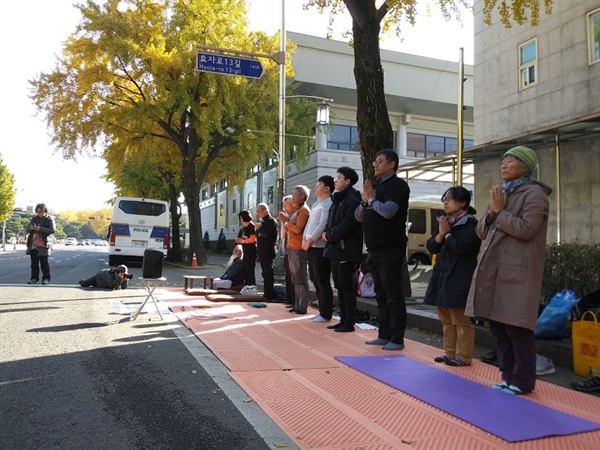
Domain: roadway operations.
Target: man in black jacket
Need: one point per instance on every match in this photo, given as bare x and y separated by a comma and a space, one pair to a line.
266, 237
112, 279
383, 213
344, 237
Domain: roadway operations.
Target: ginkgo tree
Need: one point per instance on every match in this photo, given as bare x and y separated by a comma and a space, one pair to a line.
126, 82
7, 191
371, 18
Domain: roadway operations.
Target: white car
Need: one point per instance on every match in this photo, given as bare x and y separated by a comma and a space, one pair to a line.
70, 241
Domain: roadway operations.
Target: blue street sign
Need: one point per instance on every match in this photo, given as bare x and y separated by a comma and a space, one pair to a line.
229, 65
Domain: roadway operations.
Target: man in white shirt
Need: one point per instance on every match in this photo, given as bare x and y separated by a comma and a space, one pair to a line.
319, 267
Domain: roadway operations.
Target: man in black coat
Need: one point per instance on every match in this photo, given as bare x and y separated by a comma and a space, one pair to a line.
383, 213
266, 237
344, 237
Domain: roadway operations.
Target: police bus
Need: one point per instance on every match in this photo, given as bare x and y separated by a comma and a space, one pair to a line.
137, 224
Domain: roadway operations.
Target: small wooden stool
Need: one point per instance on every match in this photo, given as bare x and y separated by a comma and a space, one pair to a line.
188, 281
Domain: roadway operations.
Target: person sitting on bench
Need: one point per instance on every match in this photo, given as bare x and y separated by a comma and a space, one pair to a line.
234, 275
109, 278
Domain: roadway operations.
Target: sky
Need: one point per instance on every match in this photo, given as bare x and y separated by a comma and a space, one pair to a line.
31, 36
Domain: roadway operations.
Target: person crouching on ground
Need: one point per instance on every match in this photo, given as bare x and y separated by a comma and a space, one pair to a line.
457, 245
235, 273
109, 279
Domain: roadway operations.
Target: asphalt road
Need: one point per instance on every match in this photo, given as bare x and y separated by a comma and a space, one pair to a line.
73, 376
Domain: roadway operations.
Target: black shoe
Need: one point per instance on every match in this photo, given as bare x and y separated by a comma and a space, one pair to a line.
336, 326
296, 311
344, 330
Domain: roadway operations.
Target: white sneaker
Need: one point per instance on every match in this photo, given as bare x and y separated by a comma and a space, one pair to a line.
543, 366
320, 319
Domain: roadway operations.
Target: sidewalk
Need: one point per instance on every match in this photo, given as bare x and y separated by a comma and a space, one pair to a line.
424, 318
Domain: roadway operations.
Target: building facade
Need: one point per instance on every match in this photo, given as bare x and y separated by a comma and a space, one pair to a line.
540, 87
421, 95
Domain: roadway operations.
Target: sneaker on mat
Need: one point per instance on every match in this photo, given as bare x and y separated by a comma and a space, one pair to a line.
543, 366
590, 384
32, 281
44, 282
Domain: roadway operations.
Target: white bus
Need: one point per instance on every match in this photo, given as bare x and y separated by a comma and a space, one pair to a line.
137, 224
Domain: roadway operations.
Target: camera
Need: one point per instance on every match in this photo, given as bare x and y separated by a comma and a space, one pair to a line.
128, 276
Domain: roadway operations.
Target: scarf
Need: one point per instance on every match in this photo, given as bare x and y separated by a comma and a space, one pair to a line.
452, 219
510, 186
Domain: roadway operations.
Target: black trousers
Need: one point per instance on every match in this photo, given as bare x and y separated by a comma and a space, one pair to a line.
89, 282
343, 280
266, 265
319, 270
250, 266
36, 262
391, 305
515, 347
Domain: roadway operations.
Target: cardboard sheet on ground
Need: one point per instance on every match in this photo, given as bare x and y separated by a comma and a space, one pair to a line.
509, 417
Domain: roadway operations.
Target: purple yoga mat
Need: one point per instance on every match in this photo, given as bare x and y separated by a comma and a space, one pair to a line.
509, 417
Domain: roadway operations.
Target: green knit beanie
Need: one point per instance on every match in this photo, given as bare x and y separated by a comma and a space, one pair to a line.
527, 157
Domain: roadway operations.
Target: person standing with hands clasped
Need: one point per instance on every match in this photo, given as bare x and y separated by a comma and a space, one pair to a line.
383, 213
266, 238
294, 227
507, 284
247, 239
344, 238
38, 248
457, 245
319, 267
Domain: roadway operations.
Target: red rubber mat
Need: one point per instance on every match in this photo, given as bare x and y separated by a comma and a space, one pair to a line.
286, 364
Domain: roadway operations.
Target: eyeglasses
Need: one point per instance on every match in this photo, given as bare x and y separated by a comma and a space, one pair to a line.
380, 161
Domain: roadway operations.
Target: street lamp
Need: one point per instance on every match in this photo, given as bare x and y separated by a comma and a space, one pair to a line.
323, 114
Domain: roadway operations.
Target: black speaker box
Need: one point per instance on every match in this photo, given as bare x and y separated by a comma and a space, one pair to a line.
152, 265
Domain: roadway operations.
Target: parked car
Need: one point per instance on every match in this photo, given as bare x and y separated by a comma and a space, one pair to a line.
70, 241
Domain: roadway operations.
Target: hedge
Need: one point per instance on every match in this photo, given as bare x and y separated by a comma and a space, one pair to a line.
572, 266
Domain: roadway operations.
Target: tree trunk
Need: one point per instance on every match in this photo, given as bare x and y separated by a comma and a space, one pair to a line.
191, 191
374, 127
175, 254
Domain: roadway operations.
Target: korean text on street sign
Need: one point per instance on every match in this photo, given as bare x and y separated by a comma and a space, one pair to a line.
228, 65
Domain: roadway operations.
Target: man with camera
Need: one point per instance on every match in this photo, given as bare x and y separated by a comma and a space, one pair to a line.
109, 278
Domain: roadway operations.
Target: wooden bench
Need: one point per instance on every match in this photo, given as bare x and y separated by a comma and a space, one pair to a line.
188, 281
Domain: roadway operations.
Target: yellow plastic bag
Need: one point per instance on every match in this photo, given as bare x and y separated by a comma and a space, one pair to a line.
586, 345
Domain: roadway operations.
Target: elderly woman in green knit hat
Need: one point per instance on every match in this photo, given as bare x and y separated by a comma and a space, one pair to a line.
507, 283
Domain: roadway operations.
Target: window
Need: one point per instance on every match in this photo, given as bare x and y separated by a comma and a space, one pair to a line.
214, 188
528, 64
234, 206
140, 208
593, 24
416, 217
204, 194
270, 192
427, 146
342, 137
221, 210
223, 185
250, 202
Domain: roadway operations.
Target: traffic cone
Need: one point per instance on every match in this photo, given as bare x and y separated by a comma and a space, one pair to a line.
194, 261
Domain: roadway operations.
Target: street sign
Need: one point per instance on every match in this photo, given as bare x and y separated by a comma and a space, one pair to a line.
229, 65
